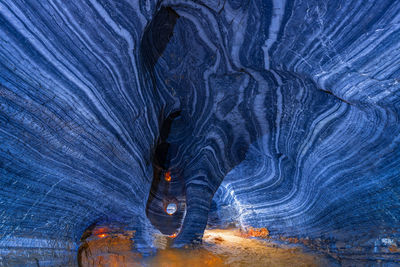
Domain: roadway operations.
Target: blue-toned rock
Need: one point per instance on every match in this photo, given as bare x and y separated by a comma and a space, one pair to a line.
282, 114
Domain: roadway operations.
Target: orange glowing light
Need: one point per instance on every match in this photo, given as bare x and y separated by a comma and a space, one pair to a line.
102, 235
173, 235
167, 176
221, 248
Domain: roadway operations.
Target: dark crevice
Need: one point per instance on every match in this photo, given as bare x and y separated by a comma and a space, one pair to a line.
162, 144
161, 150
157, 36
160, 193
330, 93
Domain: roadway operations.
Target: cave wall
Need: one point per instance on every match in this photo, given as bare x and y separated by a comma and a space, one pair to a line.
77, 125
288, 119
299, 127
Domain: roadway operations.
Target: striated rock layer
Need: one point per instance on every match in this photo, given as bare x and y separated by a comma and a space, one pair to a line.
267, 113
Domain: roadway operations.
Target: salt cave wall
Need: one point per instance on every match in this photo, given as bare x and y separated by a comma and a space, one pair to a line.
77, 124
288, 110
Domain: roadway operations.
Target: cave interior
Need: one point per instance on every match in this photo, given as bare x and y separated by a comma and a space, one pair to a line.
159, 120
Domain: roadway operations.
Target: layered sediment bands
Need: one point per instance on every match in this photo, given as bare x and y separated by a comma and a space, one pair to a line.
289, 110
76, 125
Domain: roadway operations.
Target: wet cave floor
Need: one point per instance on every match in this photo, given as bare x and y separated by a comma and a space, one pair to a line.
220, 248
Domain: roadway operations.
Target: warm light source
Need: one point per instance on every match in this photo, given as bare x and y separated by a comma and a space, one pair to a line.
167, 176
173, 235
101, 232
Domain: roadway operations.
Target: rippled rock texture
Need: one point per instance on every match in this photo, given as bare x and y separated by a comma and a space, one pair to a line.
265, 113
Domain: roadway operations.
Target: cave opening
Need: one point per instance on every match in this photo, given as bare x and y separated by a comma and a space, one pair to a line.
165, 206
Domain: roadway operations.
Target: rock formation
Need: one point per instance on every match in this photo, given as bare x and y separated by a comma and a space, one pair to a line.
282, 114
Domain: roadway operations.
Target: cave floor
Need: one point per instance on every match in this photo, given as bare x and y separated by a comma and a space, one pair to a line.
219, 248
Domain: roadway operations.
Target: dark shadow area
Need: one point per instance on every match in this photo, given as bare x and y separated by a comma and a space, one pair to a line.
164, 186
157, 35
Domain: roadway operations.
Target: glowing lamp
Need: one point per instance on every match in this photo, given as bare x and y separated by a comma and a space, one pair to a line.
167, 176
171, 208
173, 235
